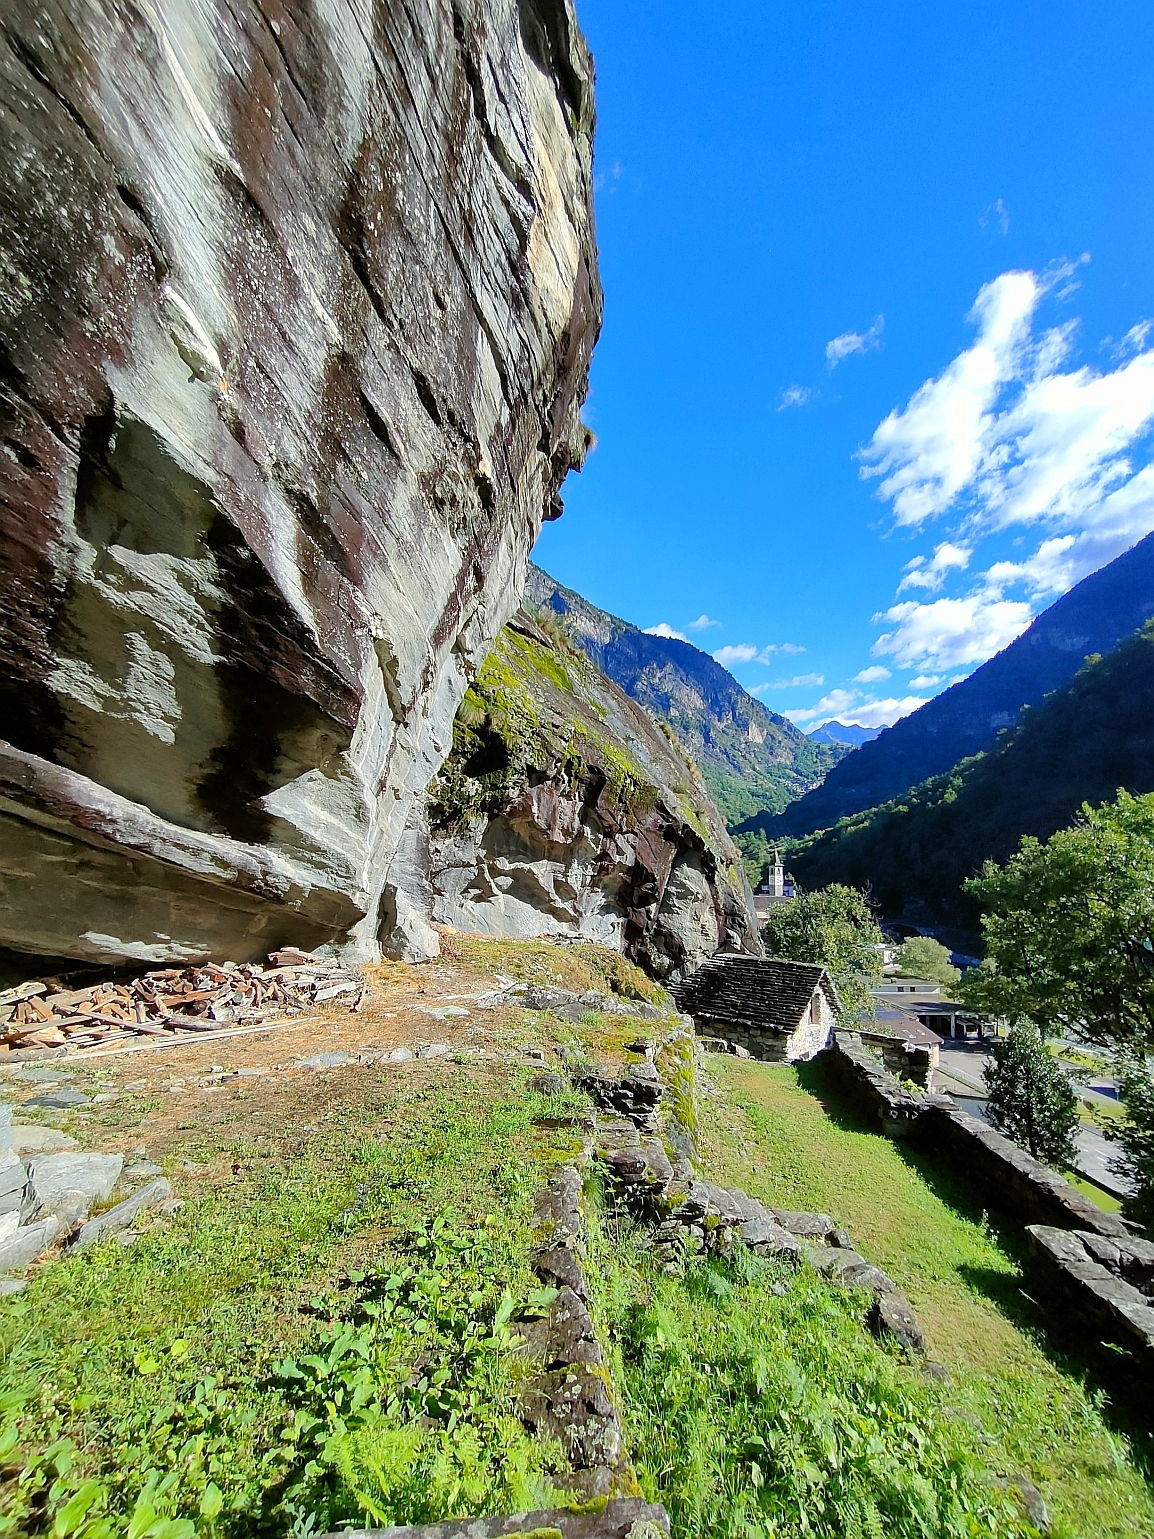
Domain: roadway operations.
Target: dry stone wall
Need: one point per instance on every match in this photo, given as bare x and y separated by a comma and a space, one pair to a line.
296, 309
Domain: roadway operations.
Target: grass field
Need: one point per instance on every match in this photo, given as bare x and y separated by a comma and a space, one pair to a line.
787, 1136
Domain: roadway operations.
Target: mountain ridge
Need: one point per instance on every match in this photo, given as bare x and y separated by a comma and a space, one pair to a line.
1093, 617
1088, 738
750, 758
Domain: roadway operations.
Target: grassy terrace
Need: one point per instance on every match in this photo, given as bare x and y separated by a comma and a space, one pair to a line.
324, 1334
787, 1137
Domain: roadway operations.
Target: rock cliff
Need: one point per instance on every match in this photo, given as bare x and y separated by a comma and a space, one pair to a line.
563, 810
296, 309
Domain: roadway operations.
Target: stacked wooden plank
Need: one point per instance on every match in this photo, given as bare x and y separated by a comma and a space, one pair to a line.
205, 998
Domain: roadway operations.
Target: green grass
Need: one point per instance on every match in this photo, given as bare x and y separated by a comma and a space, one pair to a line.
788, 1137
326, 1340
755, 1405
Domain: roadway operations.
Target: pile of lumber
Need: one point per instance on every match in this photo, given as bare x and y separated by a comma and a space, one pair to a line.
206, 998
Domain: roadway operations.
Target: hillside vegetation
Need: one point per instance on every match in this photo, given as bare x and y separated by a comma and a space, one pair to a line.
1086, 740
751, 759
1093, 617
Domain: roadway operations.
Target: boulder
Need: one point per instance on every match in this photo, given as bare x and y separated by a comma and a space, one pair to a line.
123, 1214
25, 1245
298, 314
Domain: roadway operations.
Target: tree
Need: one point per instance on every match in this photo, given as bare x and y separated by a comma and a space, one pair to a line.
1031, 1098
1069, 927
836, 929
923, 957
1136, 1136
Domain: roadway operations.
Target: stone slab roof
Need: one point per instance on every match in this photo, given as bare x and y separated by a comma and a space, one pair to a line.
746, 991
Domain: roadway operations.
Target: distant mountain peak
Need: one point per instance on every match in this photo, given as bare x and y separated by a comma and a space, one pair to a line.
1092, 618
751, 759
843, 732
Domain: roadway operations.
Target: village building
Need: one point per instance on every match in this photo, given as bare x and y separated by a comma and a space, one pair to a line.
777, 887
776, 1010
907, 988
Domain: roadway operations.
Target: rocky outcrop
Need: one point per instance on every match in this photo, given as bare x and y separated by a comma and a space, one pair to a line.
563, 810
296, 308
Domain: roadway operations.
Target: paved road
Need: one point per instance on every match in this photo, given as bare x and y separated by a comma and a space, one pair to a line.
960, 1073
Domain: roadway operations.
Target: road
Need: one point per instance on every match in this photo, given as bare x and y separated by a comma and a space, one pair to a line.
960, 1073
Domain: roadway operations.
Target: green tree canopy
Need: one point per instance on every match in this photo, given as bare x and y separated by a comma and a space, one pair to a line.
923, 957
1136, 1137
835, 928
1031, 1098
1069, 928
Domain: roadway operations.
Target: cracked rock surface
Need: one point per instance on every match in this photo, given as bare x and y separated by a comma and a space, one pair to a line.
296, 312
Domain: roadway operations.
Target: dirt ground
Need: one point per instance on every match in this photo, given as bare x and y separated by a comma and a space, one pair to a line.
190, 1099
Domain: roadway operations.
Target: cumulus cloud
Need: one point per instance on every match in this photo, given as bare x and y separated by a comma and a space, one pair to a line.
927, 681
799, 681
854, 342
872, 675
1011, 436
950, 633
745, 652
930, 574
795, 395
855, 709
665, 630
702, 623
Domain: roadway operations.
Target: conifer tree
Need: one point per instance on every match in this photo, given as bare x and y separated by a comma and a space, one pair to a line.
1031, 1098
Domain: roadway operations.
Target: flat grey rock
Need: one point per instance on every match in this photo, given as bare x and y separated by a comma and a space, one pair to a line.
141, 1170
121, 1216
29, 1138
11, 1285
63, 1099
323, 1061
56, 1176
22, 1248
400, 1055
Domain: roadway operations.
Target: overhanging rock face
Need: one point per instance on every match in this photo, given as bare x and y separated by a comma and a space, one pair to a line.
296, 309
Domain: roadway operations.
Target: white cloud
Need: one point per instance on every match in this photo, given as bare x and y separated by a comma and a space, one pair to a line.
872, 675
856, 710
950, 633
854, 342
745, 652
665, 630
999, 213
1008, 436
795, 395
927, 681
799, 681
930, 574
933, 449
702, 623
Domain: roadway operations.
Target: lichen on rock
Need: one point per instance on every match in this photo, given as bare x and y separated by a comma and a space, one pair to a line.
563, 810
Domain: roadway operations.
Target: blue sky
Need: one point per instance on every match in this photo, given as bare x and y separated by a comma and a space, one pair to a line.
875, 383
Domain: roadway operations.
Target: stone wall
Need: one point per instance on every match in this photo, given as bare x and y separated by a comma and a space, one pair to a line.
1009, 1177
295, 319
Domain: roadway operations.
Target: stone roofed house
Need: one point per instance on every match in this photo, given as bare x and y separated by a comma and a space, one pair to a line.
776, 1010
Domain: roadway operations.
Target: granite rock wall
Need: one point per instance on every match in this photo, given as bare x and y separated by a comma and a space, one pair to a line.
564, 810
296, 310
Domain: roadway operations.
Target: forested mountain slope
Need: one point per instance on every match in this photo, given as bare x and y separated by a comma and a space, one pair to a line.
752, 760
1090, 737
1093, 617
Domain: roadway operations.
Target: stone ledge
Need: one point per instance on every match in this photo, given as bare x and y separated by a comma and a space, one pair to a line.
624, 1518
1086, 1273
